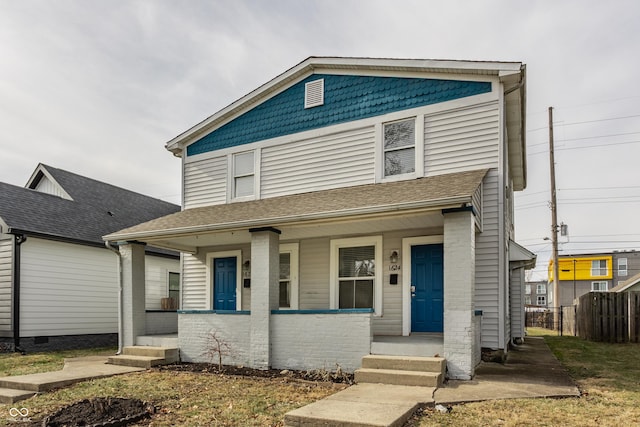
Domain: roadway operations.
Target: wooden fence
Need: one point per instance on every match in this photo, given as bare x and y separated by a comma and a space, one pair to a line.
610, 317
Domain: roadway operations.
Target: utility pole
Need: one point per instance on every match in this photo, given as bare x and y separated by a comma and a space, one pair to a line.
554, 218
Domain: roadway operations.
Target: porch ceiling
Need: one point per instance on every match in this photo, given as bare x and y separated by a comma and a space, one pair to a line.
363, 209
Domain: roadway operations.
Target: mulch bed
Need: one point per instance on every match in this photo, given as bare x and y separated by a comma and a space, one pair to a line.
318, 375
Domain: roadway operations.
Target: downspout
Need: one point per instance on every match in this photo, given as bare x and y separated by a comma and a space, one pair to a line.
119, 255
19, 240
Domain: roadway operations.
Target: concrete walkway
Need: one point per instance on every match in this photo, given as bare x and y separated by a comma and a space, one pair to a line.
531, 370
20, 387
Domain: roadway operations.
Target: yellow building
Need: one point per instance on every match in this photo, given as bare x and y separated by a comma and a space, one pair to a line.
579, 274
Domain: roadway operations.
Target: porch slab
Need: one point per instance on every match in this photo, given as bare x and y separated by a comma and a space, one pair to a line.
363, 405
416, 344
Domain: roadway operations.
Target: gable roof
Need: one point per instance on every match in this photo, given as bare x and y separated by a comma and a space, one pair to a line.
626, 284
431, 193
511, 74
95, 208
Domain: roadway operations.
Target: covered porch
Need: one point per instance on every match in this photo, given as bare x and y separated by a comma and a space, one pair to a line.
353, 284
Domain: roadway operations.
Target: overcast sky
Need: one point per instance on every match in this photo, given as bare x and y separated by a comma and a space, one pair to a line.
98, 87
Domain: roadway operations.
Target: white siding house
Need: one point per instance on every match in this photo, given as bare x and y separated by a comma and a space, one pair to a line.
381, 210
59, 284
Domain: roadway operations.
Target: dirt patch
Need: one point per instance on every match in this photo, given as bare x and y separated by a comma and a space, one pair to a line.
321, 375
100, 411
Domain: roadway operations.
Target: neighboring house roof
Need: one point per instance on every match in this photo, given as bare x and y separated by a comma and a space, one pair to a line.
91, 210
450, 190
521, 255
624, 286
511, 74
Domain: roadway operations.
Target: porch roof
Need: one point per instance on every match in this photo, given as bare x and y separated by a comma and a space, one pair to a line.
430, 193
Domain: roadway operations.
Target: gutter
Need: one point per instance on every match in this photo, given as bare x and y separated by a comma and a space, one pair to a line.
119, 255
19, 240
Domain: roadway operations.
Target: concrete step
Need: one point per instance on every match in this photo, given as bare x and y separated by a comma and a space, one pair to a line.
170, 354
405, 363
10, 395
398, 377
145, 362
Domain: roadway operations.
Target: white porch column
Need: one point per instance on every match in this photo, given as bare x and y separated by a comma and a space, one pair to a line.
133, 292
265, 265
459, 292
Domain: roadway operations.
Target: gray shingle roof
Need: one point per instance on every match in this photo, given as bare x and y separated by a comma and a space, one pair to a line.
435, 191
86, 218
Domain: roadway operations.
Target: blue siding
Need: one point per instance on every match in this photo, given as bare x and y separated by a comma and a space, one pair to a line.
347, 98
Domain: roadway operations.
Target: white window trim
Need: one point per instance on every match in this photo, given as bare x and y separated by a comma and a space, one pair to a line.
544, 290
407, 243
544, 300
293, 249
419, 148
606, 286
336, 244
623, 271
209, 288
231, 190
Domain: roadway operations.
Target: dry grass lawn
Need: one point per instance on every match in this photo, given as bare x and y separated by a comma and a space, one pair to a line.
607, 374
181, 398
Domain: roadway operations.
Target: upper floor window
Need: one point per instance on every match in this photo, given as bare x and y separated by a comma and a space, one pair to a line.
599, 267
399, 147
527, 289
243, 174
622, 266
541, 288
599, 286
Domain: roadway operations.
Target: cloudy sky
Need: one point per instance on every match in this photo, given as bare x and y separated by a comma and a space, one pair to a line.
98, 87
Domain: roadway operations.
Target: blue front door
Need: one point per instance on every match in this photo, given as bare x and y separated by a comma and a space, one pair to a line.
427, 288
224, 283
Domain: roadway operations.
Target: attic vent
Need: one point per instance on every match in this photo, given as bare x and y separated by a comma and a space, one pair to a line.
314, 93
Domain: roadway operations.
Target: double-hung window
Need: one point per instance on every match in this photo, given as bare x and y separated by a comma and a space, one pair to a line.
541, 288
399, 147
288, 279
599, 267
174, 286
622, 266
541, 300
355, 273
243, 175
599, 286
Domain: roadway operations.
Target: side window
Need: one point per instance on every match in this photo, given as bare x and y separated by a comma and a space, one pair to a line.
174, 289
542, 300
541, 289
622, 267
243, 175
285, 280
399, 147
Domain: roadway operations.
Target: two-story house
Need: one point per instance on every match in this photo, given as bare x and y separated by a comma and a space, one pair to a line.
58, 282
536, 293
597, 272
344, 206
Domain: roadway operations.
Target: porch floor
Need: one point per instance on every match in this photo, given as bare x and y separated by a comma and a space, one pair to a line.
417, 344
